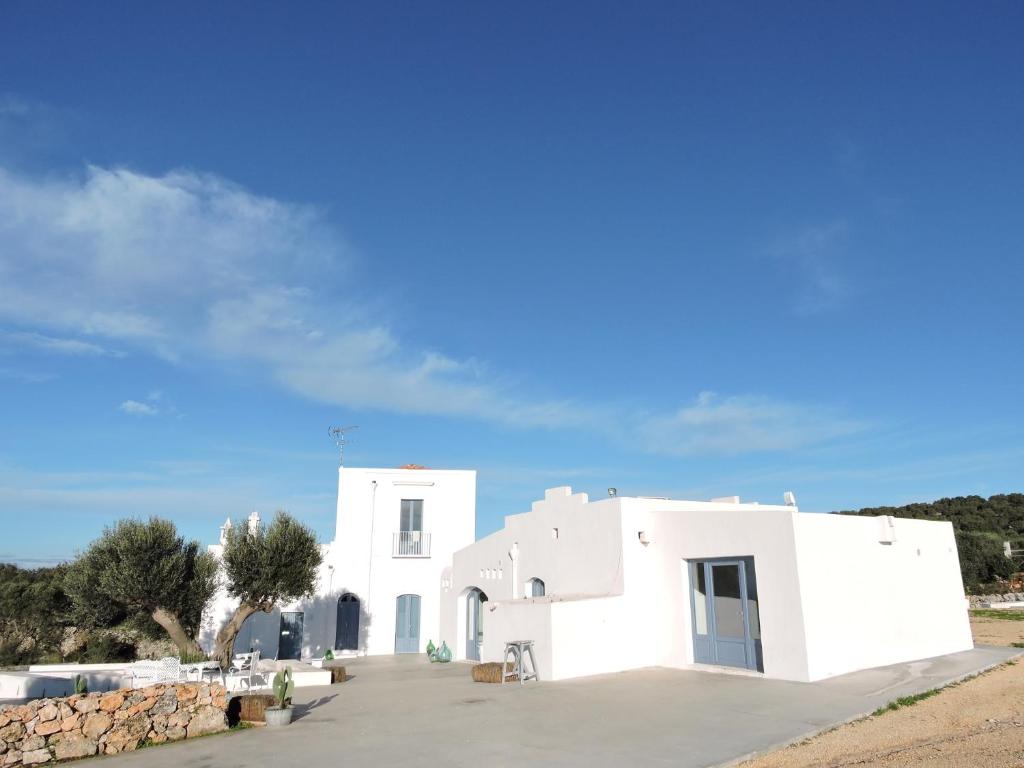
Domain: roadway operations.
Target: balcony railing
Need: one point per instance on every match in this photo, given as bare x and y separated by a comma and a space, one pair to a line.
410, 544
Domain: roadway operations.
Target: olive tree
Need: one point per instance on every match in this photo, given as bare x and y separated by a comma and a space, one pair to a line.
144, 569
263, 567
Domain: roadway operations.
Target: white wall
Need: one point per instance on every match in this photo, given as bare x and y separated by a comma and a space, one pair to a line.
369, 505
585, 558
682, 531
831, 598
361, 554
868, 604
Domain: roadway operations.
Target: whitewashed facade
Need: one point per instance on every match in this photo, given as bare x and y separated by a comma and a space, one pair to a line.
619, 583
623, 583
377, 592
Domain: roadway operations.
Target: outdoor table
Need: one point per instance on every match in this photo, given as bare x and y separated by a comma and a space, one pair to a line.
201, 669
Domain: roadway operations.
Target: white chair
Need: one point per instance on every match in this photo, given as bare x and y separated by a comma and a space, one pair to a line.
245, 666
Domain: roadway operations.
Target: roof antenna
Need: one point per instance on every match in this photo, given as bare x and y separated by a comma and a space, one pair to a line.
339, 436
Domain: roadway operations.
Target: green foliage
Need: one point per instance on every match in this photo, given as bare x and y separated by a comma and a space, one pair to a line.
34, 612
907, 701
284, 686
191, 657
104, 648
274, 564
81, 686
136, 568
980, 525
1003, 614
328, 655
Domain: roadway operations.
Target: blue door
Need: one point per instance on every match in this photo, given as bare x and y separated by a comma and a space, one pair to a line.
347, 629
474, 623
407, 624
724, 610
289, 644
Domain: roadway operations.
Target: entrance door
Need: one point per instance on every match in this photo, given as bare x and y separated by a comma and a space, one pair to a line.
407, 624
723, 600
289, 643
474, 623
346, 636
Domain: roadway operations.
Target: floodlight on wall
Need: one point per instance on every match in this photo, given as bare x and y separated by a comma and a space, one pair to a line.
613, 492
643, 537
790, 498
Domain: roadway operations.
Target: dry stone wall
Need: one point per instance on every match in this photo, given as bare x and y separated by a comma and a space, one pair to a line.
49, 730
980, 601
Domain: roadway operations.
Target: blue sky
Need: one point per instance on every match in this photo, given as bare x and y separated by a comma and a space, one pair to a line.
681, 250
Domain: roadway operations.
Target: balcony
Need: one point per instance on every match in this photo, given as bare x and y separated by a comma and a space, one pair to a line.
410, 544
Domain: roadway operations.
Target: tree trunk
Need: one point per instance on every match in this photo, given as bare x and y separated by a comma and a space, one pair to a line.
224, 644
187, 646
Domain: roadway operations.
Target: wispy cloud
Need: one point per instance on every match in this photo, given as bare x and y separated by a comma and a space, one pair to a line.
813, 257
741, 424
190, 266
135, 408
12, 105
27, 377
56, 345
155, 403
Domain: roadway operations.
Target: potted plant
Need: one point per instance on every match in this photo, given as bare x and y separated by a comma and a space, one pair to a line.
283, 688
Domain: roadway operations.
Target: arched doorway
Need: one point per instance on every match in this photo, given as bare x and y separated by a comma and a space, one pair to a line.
346, 637
407, 624
474, 623
535, 588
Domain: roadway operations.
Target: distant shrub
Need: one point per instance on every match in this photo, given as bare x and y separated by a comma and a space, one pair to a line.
103, 648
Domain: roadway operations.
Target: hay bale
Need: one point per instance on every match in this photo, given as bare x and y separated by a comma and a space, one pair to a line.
490, 672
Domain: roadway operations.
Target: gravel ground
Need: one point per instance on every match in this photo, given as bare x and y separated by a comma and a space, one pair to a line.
979, 722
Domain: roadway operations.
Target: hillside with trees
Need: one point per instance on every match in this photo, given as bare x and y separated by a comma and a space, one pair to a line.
981, 526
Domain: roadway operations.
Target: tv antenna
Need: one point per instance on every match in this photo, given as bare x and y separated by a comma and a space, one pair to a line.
339, 435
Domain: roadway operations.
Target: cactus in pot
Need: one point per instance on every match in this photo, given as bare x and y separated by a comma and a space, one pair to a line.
284, 686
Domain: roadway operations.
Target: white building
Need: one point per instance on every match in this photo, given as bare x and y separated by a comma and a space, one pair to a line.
377, 592
619, 583
623, 583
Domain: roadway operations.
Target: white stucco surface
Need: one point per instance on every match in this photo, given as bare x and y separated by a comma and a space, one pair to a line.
834, 594
361, 560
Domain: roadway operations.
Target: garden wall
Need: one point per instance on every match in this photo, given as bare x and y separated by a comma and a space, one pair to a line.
48, 730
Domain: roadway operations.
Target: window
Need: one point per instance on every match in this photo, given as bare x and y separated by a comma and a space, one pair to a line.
535, 588
412, 515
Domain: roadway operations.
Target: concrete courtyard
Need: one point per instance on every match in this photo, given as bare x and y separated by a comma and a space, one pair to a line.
403, 711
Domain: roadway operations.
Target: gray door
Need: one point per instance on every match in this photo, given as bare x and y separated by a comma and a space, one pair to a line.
346, 636
726, 624
289, 644
407, 624
474, 623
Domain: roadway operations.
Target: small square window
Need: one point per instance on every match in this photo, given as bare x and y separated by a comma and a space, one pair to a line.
554, 533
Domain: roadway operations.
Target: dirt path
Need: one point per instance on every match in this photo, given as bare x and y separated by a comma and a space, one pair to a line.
995, 632
978, 723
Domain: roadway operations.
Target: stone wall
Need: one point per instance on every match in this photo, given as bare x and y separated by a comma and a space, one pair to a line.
980, 601
107, 723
